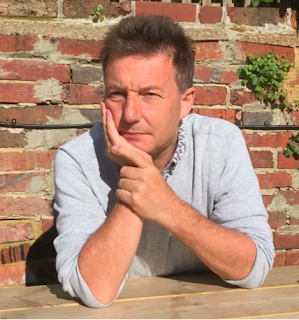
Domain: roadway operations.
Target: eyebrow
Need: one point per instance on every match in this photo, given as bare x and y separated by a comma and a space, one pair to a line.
116, 87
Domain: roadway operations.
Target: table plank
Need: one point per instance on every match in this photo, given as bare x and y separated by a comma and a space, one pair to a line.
141, 288
233, 303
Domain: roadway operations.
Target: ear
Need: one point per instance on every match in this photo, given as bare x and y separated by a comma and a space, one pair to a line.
187, 101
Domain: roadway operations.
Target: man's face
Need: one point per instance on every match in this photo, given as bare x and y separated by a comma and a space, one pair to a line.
145, 102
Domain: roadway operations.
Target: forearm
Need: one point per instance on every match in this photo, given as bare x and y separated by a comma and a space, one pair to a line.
107, 255
228, 253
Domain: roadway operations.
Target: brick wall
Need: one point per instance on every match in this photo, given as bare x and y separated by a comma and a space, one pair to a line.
50, 74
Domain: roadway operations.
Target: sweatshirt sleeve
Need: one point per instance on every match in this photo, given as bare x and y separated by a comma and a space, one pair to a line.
79, 215
238, 205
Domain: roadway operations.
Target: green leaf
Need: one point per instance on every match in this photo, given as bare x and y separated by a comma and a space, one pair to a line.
239, 71
92, 12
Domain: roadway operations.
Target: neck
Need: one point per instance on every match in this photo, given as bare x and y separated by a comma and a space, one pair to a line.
162, 159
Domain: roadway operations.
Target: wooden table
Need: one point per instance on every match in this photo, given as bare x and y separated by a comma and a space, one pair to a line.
188, 296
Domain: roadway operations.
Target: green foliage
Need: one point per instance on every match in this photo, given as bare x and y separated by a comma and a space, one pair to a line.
293, 147
97, 14
257, 3
265, 76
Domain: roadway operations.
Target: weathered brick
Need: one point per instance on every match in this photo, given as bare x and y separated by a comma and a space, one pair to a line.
226, 114
267, 199
262, 159
16, 232
210, 95
179, 12
292, 196
11, 139
82, 94
11, 92
28, 8
31, 70
257, 118
210, 15
243, 49
22, 182
86, 75
279, 260
15, 253
207, 50
26, 160
47, 224
292, 258
93, 115
255, 16
31, 115
286, 238
214, 75
81, 9
240, 97
203, 73
25, 206
75, 47
294, 221
287, 163
294, 22
12, 274
17, 43
279, 179
276, 219
271, 139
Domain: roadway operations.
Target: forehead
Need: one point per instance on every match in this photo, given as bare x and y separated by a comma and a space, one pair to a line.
140, 69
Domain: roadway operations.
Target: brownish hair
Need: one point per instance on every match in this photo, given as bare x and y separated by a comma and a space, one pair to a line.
150, 35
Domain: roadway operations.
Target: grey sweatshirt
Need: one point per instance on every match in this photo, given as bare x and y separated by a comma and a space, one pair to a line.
210, 170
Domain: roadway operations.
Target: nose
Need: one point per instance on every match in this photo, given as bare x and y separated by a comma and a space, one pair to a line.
132, 108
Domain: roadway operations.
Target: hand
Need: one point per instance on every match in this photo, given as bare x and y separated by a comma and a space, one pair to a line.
113, 138
143, 188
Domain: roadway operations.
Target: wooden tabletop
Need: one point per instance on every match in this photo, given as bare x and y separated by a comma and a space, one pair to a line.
180, 297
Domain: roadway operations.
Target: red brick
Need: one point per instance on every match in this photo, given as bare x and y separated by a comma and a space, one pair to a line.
294, 82
24, 206
295, 115
26, 160
207, 50
268, 199
17, 43
291, 196
292, 258
294, 22
287, 163
262, 159
226, 114
20, 182
31, 70
228, 76
210, 95
203, 73
82, 94
279, 260
272, 140
279, 179
287, 240
240, 97
10, 139
210, 14
179, 12
294, 221
14, 254
255, 16
16, 232
31, 115
74, 47
243, 49
276, 219
12, 274
11, 92
47, 224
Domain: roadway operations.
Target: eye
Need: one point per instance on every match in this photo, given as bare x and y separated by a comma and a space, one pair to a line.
151, 95
116, 95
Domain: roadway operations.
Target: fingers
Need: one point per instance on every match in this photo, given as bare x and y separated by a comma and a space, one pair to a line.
128, 184
132, 156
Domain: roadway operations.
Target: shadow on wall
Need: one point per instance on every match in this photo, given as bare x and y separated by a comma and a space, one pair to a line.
40, 262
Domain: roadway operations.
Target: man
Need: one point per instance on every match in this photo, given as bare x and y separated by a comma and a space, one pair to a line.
152, 190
